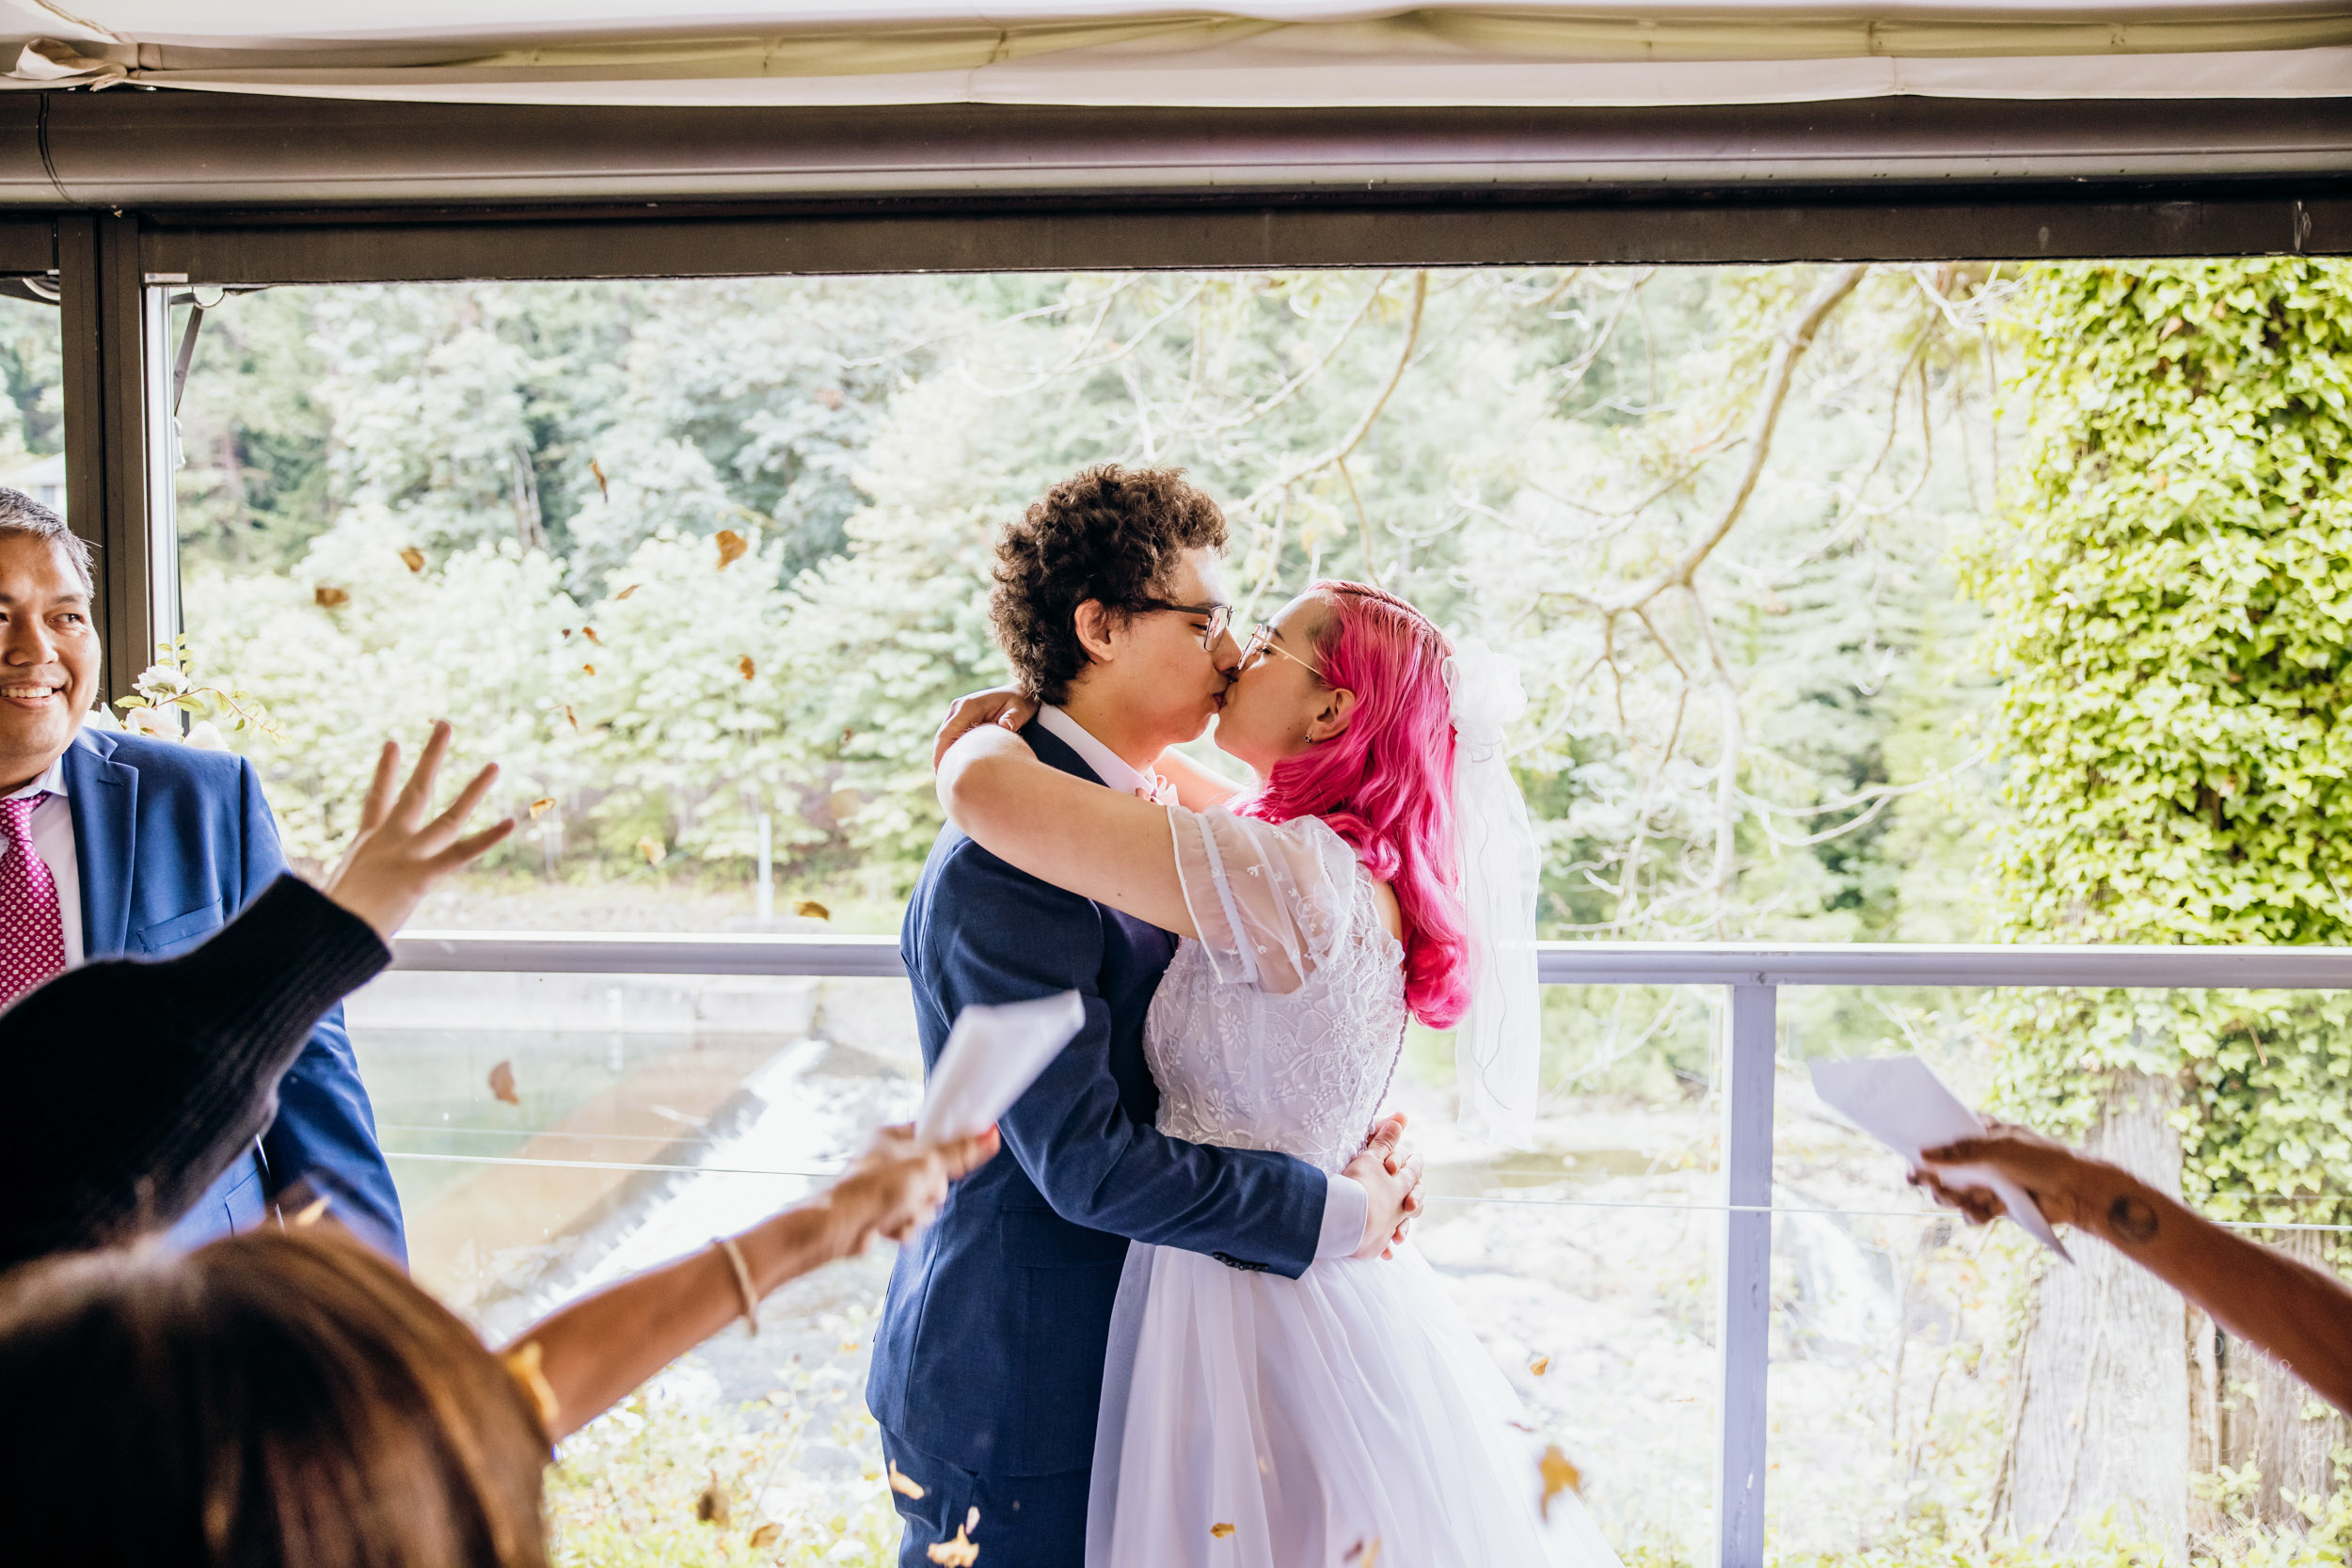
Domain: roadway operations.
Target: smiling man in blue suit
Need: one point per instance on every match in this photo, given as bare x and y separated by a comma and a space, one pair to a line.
113, 843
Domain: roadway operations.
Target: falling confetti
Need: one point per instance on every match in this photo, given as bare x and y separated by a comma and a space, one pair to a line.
590, 633
1559, 1476
330, 598
652, 849
958, 1553
1541, 1365
901, 1484
412, 558
502, 1083
1364, 1554
596, 471
1223, 1532
711, 1507
809, 909
731, 548
746, 666
540, 807
767, 1535
627, 592
569, 717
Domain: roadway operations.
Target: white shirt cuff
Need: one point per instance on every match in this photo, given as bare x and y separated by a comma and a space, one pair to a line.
1345, 1207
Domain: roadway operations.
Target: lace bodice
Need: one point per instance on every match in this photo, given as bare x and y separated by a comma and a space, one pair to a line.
1279, 1028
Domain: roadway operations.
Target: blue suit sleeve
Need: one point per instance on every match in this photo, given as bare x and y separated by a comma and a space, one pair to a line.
326, 1127
1094, 1165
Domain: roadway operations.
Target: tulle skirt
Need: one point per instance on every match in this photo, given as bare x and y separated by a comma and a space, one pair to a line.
1253, 1422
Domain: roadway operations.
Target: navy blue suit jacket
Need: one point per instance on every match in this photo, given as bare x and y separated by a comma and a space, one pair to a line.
990, 1356
171, 842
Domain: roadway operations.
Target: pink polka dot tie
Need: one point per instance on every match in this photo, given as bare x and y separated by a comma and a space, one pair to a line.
32, 935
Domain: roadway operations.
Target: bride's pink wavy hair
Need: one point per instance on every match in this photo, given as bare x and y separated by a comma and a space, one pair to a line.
1386, 784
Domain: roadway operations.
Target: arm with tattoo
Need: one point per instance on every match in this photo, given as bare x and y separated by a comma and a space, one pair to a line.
2298, 1315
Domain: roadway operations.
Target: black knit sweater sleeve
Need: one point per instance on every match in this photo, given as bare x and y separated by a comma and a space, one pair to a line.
137, 1082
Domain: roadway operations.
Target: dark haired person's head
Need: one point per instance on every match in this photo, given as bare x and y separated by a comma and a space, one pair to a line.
48, 640
278, 1399
1108, 584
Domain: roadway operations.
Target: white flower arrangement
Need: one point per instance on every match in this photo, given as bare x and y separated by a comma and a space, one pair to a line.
168, 687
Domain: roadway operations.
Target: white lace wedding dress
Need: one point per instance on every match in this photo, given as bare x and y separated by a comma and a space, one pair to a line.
1315, 1415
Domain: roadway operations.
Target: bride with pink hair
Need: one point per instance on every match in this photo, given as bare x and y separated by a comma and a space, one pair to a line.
1250, 1420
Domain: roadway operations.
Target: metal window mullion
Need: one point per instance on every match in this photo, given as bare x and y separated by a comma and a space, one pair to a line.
1743, 1334
108, 321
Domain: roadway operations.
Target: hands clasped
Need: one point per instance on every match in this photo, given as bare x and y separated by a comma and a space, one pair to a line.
1391, 1175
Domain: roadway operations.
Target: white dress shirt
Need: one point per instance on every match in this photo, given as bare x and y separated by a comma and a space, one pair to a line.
1345, 1204
52, 828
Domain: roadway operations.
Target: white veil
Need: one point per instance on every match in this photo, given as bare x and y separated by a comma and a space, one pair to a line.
1498, 1045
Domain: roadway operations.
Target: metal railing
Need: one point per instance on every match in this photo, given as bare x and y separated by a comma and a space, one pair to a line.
1752, 973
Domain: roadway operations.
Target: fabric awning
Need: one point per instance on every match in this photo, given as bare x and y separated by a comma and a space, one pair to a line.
1270, 54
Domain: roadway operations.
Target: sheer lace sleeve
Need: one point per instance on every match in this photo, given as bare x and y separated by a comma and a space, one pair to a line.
1269, 900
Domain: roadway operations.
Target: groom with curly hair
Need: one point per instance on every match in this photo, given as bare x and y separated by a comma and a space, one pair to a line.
988, 1369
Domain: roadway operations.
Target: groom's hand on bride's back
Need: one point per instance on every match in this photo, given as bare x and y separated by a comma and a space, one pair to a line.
1391, 1175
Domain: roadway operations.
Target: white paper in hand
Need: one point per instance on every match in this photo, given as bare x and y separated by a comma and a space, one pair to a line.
1903, 1103
993, 1055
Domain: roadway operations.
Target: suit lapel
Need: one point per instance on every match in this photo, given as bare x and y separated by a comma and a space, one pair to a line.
103, 796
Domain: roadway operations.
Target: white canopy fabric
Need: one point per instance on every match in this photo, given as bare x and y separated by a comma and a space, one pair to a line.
1266, 54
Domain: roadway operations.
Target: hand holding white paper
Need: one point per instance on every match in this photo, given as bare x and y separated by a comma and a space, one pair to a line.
993, 1055
1903, 1103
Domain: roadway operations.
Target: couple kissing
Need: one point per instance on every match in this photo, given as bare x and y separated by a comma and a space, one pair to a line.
1181, 1326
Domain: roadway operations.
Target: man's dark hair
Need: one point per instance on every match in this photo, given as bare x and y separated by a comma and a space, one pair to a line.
1107, 533
22, 516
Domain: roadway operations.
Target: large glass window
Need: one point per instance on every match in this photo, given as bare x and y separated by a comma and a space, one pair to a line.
700, 563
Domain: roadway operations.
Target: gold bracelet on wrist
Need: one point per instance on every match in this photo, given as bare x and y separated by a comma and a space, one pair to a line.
742, 1283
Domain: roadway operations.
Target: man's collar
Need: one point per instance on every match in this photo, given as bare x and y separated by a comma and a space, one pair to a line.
1106, 762
51, 782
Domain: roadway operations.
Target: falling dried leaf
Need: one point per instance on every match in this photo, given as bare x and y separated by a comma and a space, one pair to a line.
590, 668
747, 667
412, 558
1541, 1365
1559, 1476
540, 807
958, 1553
567, 634
1364, 1554
901, 1484
731, 548
1223, 1532
829, 396
711, 1507
502, 1083
330, 598
652, 849
627, 592
809, 909
569, 717
597, 472
767, 1535
590, 633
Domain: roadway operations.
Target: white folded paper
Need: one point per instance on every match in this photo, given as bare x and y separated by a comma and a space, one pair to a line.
1903, 1103
993, 1055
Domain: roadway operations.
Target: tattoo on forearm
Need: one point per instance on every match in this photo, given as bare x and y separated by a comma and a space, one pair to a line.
2131, 1219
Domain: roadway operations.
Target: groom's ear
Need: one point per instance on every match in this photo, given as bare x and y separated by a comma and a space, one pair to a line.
1095, 626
